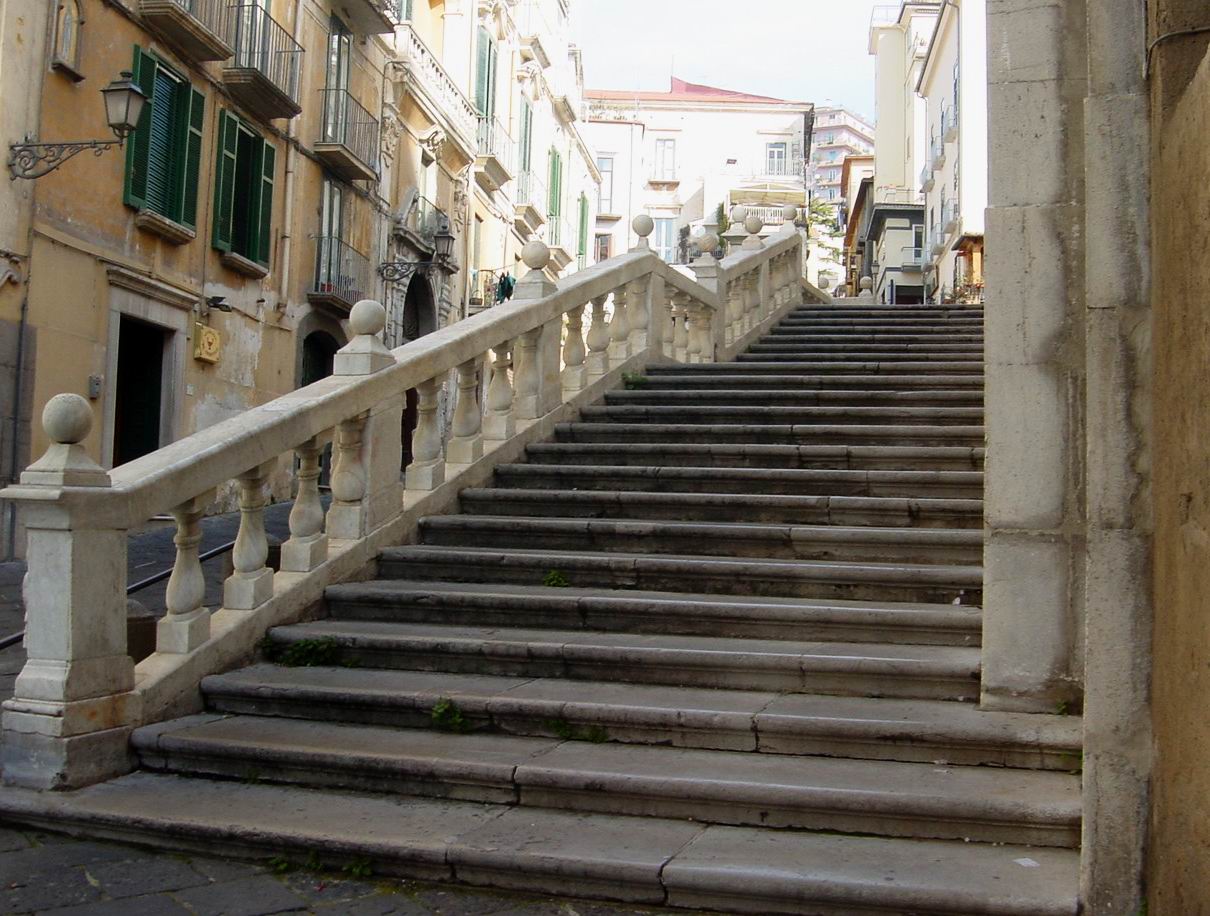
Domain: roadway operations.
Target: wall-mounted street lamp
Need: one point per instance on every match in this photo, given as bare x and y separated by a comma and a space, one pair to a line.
443, 245
123, 105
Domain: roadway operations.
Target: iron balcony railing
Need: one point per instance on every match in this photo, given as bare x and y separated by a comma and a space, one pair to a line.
926, 177
261, 44
777, 166
494, 141
397, 10
346, 122
215, 15
485, 286
949, 216
913, 257
425, 218
341, 271
531, 192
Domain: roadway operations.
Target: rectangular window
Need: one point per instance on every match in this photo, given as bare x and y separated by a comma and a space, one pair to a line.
605, 195
554, 200
525, 146
775, 158
243, 190
665, 239
163, 157
603, 248
665, 160
485, 74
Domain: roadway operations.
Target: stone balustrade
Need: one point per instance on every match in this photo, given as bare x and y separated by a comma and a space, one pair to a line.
553, 349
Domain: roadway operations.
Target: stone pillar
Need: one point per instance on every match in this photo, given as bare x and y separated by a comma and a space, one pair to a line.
67, 723
706, 272
1033, 577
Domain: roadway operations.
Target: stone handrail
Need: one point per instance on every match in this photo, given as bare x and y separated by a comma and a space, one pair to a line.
543, 356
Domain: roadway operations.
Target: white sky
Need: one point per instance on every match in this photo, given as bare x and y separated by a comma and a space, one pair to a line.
806, 50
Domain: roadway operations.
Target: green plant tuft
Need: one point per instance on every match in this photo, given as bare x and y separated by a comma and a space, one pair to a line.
555, 579
306, 653
358, 868
281, 865
446, 716
633, 380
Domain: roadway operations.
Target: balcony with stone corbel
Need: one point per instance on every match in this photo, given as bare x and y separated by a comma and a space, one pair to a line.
200, 29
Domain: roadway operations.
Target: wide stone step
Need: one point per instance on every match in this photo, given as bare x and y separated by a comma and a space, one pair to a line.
721, 413
410, 601
765, 372
905, 312
706, 538
857, 339
852, 669
903, 512
863, 350
737, 378
755, 362
879, 326
642, 860
715, 396
929, 583
890, 357
714, 787
929, 485
700, 455
773, 434
929, 731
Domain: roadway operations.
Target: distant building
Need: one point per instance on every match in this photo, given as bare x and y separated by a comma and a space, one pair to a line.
681, 155
839, 133
857, 181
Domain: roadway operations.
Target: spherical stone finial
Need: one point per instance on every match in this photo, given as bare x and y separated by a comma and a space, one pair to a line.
643, 225
789, 213
706, 242
535, 254
67, 419
739, 213
824, 282
866, 284
367, 317
753, 225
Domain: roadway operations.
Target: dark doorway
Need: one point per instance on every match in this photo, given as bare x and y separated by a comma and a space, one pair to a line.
419, 318
139, 403
319, 350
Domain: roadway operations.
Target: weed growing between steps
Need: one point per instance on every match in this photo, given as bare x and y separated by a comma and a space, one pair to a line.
561, 728
447, 717
306, 653
632, 381
360, 868
556, 579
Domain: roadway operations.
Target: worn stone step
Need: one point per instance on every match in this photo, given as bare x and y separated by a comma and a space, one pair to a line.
906, 312
616, 857
842, 376
811, 348
716, 787
927, 485
733, 455
929, 583
773, 434
784, 666
929, 731
857, 339
709, 506
721, 413
736, 380
712, 395
755, 362
706, 538
879, 326
469, 604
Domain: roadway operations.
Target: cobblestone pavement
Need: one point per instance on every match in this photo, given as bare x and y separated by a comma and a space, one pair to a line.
47, 874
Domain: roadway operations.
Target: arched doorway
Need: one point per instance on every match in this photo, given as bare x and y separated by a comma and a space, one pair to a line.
318, 352
419, 318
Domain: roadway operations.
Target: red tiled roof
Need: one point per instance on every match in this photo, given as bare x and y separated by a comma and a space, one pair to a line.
682, 91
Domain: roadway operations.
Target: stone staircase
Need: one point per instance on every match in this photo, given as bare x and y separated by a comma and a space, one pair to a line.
715, 645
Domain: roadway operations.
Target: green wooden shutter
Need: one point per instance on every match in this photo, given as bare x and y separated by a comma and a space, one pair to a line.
190, 154
527, 134
138, 148
264, 231
493, 55
582, 249
224, 180
163, 165
555, 191
482, 67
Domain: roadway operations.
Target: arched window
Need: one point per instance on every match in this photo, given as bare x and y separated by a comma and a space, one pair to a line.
68, 22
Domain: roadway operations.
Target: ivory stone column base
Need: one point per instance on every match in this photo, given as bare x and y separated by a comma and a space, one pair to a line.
464, 451
304, 555
426, 476
182, 633
499, 427
38, 761
245, 592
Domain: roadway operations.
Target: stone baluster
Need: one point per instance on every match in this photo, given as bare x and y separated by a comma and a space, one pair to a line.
348, 479
528, 377
466, 445
638, 314
734, 310
251, 584
753, 303
680, 330
427, 470
64, 726
619, 328
186, 625
668, 322
574, 375
498, 422
307, 546
597, 362
700, 347
777, 283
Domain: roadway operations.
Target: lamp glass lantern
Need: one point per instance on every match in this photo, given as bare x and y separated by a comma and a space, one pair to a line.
443, 241
124, 103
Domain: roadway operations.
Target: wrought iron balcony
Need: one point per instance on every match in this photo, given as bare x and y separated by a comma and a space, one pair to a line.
937, 153
374, 17
348, 139
200, 29
264, 73
342, 276
949, 217
427, 81
562, 242
530, 213
927, 179
949, 123
421, 223
779, 167
494, 162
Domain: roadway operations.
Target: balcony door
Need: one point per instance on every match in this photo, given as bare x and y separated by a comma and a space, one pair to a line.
336, 104
775, 158
328, 270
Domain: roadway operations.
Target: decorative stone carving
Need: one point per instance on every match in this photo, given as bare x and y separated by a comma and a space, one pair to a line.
462, 198
392, 130
431, 145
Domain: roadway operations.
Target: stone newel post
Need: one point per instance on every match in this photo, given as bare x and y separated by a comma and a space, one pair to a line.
67, 724
706, 272
366, 489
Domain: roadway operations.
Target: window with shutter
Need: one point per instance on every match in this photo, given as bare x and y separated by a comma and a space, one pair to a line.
243, 191
525, 153
485, 74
